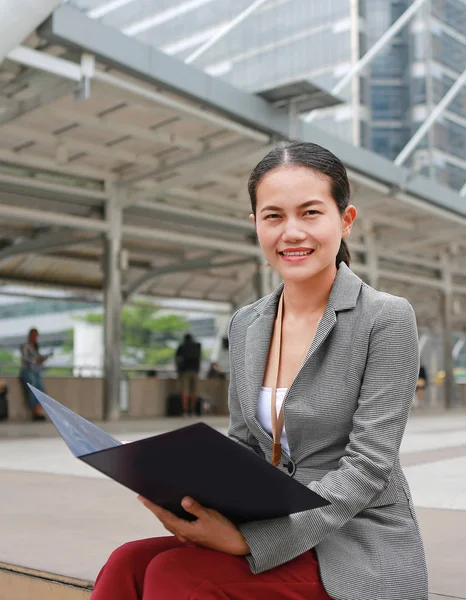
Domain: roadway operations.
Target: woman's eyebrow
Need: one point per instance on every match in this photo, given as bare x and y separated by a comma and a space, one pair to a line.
304, 205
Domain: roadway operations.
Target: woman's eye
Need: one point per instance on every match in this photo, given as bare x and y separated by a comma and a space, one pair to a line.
312, 212
272, 216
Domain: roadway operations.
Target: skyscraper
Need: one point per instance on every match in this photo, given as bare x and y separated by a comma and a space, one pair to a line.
284, 41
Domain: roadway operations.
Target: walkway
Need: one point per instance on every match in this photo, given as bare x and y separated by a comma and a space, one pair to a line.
61, 516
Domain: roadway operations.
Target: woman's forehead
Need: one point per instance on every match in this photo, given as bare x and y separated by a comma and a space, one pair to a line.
293, 182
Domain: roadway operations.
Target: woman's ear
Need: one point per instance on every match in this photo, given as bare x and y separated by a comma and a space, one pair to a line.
252, 218
348, 218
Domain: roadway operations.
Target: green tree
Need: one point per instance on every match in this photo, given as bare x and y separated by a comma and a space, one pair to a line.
9, 362
147, 338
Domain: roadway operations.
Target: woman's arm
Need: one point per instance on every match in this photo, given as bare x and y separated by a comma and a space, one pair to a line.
238, 429
387, 392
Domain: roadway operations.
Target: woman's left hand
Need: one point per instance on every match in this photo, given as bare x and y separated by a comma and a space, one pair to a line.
210, 530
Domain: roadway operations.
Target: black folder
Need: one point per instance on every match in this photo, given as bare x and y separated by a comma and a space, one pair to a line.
195, 461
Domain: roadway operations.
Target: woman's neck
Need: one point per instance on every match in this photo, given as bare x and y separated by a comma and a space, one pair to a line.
309, 297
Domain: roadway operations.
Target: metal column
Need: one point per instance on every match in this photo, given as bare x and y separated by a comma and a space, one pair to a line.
263, 279
447, 330
113, 302
371, 256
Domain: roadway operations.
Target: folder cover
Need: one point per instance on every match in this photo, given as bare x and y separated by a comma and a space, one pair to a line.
195, 461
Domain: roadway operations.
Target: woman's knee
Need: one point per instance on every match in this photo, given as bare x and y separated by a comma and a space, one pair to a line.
139, 553
125, 555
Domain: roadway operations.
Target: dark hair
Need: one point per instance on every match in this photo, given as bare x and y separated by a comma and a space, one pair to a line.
188, 338
314, 157
31, 331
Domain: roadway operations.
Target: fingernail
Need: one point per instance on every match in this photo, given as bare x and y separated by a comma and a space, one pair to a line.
187, 502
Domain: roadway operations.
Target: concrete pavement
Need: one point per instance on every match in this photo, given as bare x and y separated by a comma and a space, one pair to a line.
59, 515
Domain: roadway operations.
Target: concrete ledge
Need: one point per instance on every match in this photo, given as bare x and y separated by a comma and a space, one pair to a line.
21, 583
84, 395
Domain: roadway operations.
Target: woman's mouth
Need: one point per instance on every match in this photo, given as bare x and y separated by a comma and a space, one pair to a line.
295, 255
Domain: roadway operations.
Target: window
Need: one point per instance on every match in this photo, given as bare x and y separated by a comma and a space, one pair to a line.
389, 102
389, 142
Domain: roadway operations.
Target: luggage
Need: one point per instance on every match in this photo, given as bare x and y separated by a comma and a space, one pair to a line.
3, 405
175, 406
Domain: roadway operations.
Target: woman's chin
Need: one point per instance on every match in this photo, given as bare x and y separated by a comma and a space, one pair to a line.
297, 275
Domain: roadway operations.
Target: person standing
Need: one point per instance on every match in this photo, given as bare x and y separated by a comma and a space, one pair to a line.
31, 372
188, 362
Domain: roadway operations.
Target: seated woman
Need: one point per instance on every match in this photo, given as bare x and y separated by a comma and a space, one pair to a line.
323, 374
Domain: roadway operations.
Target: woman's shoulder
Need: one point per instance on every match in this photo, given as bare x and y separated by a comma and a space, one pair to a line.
378, 302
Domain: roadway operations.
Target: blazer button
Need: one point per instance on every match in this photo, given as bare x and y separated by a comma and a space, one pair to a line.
290, 467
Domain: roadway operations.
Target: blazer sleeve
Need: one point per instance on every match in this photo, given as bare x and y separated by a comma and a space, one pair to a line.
387, 392
238, 429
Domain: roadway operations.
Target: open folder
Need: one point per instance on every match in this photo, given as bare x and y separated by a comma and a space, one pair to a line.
195, 461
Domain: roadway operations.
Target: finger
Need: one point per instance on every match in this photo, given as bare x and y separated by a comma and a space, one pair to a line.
181, 539
193, 507
170, 521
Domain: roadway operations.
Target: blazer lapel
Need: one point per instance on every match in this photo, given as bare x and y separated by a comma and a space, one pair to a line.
258, 337
343, 296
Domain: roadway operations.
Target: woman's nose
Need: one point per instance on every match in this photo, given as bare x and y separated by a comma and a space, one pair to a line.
293, 232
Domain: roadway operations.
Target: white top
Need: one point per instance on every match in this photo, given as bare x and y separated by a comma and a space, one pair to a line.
264, 413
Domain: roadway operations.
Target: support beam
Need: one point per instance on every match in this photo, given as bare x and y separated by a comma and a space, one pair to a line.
46, 62
37, 162
67, 193
371, 255
222, 33
46, 217
44, 97
434, 115
201, 198
111, 125
182, 107
445, 236
372, 53
447, 330
113, 302
44, 243
71, 143
263, 279
195, 215
198, 167
457, 349
205, 262
191, 241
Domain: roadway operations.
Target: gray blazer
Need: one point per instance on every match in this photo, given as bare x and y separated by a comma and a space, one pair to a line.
345, 415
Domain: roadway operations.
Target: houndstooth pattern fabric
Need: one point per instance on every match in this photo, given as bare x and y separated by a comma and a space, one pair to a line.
345, 415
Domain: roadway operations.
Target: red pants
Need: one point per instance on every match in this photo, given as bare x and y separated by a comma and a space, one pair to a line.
165, 569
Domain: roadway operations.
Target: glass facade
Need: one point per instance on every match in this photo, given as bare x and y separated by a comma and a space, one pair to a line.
439, 57
288, 40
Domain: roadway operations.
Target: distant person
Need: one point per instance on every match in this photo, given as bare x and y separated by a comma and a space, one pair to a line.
421, 386
3, 400
215, 372
188, 363
31, 372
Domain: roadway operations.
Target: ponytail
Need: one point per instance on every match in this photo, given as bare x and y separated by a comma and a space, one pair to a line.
344, 254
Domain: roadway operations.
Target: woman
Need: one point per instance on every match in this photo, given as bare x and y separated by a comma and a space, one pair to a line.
31, 372
342, 359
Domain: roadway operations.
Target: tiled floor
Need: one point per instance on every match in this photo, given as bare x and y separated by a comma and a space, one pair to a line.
48, 497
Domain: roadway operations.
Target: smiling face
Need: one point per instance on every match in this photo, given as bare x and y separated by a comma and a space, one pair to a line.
298, 223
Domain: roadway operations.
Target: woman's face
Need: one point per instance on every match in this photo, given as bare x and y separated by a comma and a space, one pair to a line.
33, 337
298, 223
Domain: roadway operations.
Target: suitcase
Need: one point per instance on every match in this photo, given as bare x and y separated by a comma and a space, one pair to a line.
175, 406
3, 405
